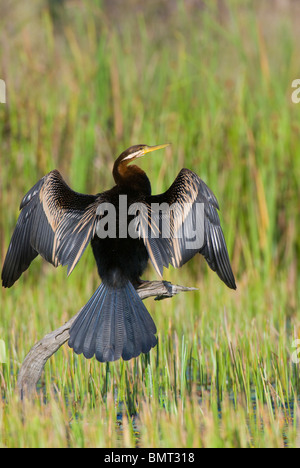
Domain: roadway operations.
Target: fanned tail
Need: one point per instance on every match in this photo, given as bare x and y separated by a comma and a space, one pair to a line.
113, 324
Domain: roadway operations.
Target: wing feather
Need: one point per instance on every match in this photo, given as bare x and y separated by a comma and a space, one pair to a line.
55, 222
187, 237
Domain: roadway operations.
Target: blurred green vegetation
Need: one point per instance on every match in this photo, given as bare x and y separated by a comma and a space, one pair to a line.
85, 80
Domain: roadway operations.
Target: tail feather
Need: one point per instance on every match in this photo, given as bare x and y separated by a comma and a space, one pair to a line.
113, 324
85, 323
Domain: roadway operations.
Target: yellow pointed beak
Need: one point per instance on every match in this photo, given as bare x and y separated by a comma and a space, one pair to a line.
144, 150
149, 149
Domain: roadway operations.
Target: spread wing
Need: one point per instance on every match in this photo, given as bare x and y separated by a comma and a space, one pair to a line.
55, 222
191, 226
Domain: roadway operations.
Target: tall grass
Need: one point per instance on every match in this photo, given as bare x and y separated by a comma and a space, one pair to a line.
87, 82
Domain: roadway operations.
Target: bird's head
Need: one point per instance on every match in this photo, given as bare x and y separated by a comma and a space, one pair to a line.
138, 151
124, 174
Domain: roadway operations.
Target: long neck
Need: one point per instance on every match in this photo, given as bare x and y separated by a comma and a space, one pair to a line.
131, 178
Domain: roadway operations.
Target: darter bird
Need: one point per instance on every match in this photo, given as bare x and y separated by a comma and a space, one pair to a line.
58, 224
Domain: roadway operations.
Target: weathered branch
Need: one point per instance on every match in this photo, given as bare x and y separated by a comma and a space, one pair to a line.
37, 357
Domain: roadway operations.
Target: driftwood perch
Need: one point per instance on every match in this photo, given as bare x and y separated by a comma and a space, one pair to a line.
37, 357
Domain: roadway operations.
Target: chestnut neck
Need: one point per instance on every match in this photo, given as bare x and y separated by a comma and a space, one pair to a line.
131, 178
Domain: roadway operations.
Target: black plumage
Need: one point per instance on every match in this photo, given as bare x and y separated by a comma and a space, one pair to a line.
58, 224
